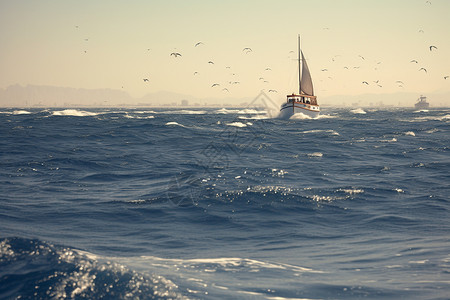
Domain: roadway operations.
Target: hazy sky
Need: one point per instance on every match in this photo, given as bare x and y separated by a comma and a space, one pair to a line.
104, 44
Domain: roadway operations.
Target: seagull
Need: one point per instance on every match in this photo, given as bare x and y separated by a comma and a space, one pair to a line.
236, 82
423, 69
365, 82
273, 91
362, 57
346, 68
414, 61
145, 79
195, 73
261, 78
421, 31
399, 81
445, 77
210, 62
431, 47
268, 69
225, 90
215, 84
247, 50
323, 70
176, 54
199, 43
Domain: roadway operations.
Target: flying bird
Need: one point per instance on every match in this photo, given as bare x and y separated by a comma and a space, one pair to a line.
365, 82
431, 47
362, 57
423, 69
210, 62
323, 70
176, 54
225, 90
247, 50
195, 73
268, 69
414, 61
273, 91
215, 84
399, 81
199, 43
145, 79
445, 77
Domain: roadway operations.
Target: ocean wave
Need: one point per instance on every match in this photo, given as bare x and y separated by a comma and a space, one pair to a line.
21, 112
74, 113
332, 132
39, 270
315, 154
411, 133
138, 117
184, 112
16, 112
239, 124
434, 118
358, 111
175, 124
300, 116
255, 117
247, 111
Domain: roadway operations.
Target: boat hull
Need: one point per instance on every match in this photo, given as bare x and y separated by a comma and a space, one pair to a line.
291, 108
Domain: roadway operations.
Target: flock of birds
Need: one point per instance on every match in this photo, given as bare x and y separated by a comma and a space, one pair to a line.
248, 50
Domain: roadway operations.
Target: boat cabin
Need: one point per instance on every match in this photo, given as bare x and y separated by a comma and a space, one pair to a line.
305, 99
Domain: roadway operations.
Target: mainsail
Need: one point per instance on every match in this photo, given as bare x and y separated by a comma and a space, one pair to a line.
306, 81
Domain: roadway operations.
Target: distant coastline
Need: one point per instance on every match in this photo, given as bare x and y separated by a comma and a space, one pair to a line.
39, 96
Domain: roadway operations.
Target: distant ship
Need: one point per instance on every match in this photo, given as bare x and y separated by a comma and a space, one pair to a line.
422, 103
304, 102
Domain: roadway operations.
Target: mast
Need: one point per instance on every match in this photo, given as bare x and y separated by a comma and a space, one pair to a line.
299, 68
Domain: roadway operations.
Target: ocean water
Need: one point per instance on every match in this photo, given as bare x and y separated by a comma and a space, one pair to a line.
224, 203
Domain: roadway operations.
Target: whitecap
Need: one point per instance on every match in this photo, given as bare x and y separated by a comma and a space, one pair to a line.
174, 123
358, 111
315, 154
185, 112
325, 117
138, 117
410, 133
389, 141
300, 116
21, 112
237, 124
74, 113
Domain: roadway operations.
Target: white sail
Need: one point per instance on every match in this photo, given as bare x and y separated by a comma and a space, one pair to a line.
306, 81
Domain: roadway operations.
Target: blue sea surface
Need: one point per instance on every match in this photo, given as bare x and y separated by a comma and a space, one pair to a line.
224, 203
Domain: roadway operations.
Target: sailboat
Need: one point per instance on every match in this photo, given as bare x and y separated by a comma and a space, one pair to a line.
304, 102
